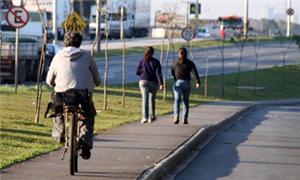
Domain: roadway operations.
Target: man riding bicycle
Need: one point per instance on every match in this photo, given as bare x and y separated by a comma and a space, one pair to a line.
75, 69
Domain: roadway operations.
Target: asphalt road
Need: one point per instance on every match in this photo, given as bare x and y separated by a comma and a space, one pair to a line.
263, 145
269, 55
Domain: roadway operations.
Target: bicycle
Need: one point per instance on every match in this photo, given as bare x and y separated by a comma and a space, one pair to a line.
73, 113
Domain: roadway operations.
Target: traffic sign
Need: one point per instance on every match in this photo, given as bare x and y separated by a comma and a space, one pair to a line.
75, 22
17, 16
193, 8
187, 33
290, 11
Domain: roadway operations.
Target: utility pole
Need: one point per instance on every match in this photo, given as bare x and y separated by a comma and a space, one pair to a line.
98, 28
197, 15
123, 54
289, 19
246, 21
187, 13
54, 22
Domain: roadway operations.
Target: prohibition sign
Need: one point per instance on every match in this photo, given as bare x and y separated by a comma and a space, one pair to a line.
187, 33
290, 11
17, 17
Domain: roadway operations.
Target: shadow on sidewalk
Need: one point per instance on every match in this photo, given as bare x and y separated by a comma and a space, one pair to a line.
221, 156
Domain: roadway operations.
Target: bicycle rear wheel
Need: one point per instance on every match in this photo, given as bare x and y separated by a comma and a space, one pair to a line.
73, 155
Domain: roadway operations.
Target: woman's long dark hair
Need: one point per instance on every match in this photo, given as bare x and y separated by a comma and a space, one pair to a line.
183, 53
148, 53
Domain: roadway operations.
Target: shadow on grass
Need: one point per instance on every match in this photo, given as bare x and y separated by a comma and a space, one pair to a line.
20, 131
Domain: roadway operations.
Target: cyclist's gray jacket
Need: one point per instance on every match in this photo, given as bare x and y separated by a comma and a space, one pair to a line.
73, 68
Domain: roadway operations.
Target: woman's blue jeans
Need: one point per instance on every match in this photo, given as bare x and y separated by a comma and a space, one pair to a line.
148, 90
181, 88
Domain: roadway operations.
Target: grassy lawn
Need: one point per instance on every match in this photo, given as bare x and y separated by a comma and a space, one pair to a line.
21, 139
194, 44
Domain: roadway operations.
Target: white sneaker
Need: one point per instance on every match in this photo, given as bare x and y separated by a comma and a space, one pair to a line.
144, 120
149, 120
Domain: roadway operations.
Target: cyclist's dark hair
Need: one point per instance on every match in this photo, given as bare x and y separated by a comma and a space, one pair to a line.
73, 38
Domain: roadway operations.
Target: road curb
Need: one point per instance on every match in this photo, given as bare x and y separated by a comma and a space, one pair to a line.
235, 116
202, 136
168, 163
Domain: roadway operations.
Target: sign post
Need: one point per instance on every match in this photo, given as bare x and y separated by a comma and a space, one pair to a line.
16, 60
17, 17
290, 12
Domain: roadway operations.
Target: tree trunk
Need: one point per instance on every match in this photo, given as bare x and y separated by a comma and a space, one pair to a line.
223, 75
237, 82
106, 73
256, 48
166, 70
206, 75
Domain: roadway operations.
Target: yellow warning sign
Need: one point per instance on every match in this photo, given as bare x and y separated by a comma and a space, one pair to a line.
74, 22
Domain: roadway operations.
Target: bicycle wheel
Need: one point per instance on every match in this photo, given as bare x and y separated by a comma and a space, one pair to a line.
73, 160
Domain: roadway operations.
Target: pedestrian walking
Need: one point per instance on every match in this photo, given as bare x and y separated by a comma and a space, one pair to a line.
181, 72
149, 70
74, 69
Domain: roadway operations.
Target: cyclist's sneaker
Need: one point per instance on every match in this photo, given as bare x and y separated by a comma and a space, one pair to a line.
85, 151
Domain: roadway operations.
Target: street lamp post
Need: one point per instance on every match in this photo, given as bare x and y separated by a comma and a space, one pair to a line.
98, 25
246, 21
187, 13
289, 17
54, 18
197, 14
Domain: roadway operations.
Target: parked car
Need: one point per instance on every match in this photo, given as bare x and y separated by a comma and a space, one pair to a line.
202, 32
51, 50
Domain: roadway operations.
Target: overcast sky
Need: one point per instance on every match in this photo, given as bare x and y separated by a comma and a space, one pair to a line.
257, 8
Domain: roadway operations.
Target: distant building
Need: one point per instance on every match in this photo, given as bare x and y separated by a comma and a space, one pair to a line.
178, 9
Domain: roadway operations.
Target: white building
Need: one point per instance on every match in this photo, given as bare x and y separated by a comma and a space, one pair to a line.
180, 7
63, 7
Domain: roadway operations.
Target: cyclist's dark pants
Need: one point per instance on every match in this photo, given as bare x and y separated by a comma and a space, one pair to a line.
86, 127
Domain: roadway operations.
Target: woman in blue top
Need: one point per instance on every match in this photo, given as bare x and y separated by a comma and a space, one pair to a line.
149, 70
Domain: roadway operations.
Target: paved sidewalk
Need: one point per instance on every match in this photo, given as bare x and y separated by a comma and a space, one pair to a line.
125, 152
